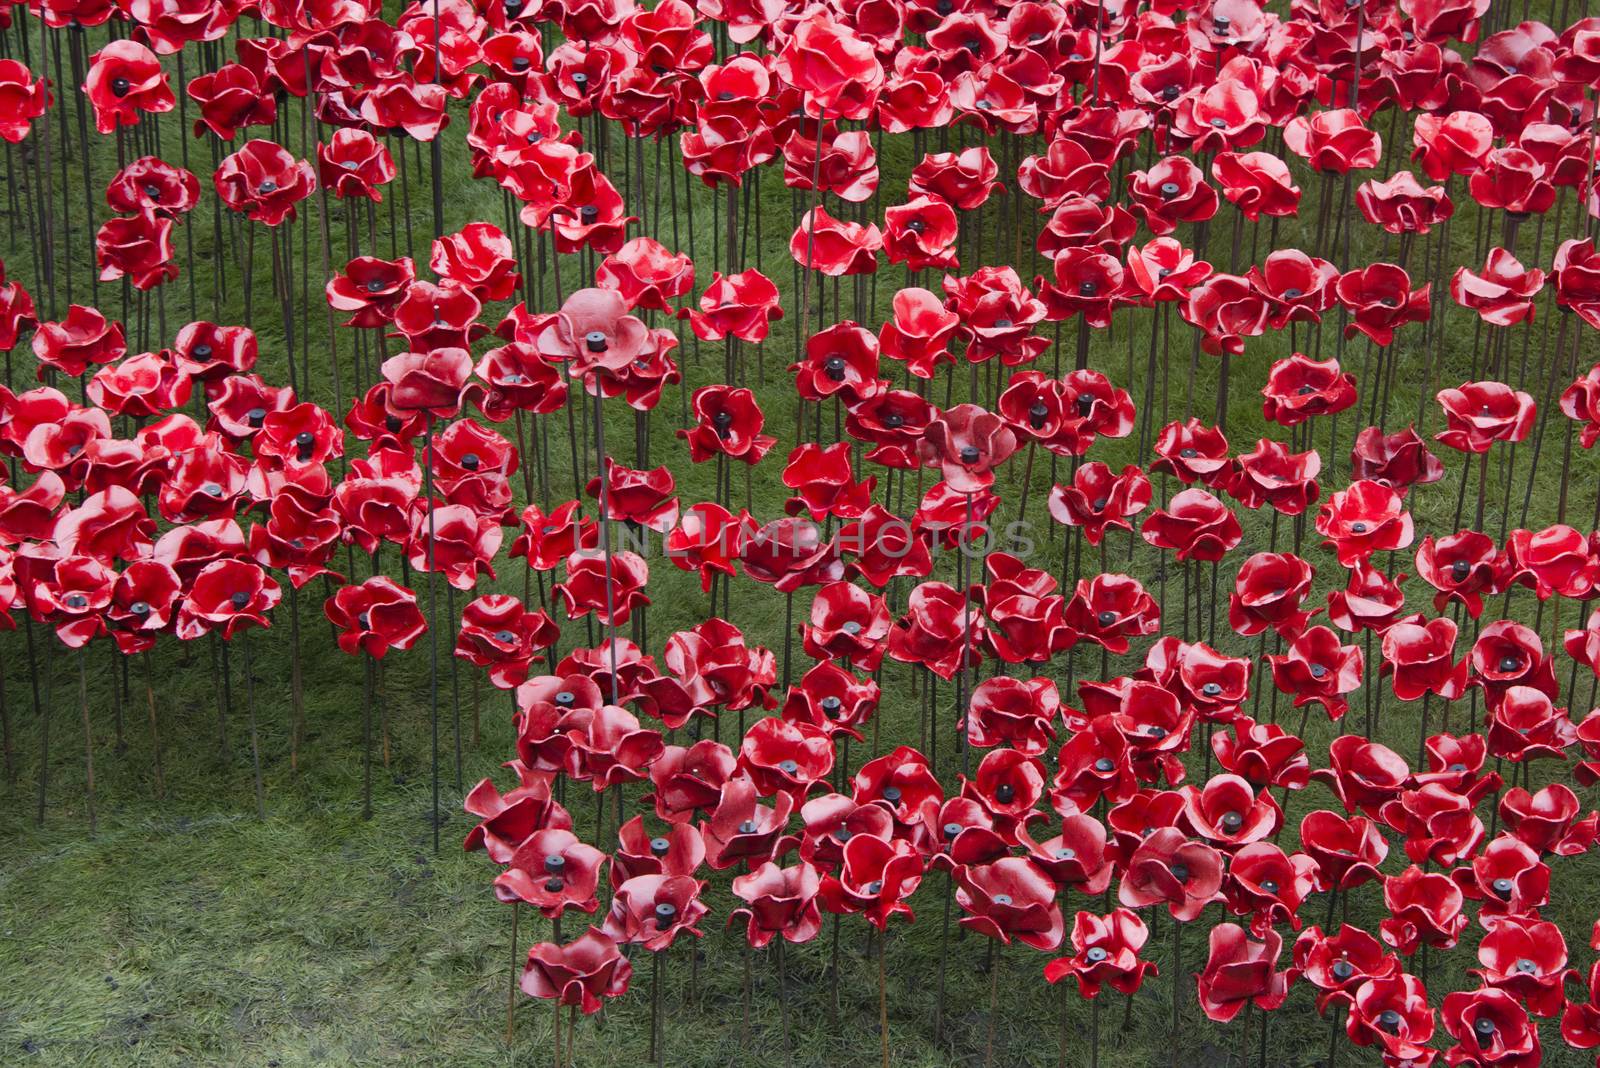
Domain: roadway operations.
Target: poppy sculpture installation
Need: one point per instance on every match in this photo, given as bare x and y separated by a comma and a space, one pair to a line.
1015, 166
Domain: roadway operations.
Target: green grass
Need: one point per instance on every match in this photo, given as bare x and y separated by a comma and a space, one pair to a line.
186, 931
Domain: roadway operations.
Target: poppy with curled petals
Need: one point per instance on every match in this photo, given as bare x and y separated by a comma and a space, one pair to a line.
781, 756
264, 181
883, 545
1272, 475
1506, 654
689, 779
1194, 524
1228, 812
963, 179
1013, 712
940, 630
719, 668
1338, 963
1478, 414
1169, 869
125, 81
998, 314
846, 623
1491, 1028
375, 616
646, 274
742, 304
1164, 270
1502, 293
479, 258
1263, 754
1399, 460
1098, 500
779, 902
1105, 952
1548, 820
144, 601
1300, 388
1455, 142
1109, 609
1087, 282
1316, 669
921, 233
1193, 452
653, 910
1524, 724
582, 973
1420, 659
231, 98
1576, 274
1581, 402
1462, 567
23, 98
728, 422
1347, 849
1557, 560
875, 878
835, 247
1380, 301
640, 497
1425, 908
831, 699
790, 553
1227, 308
1508, 878
1077, 858
1297, 288
437, 382
371, 289
452, 538
1333, 142
1439, 824
1527, 958
840, 361
1257, 183
1268, 885
553, 870
1010, 898
919, 332
1403, 205
137, 247
1363, 519
678, 850
227, 596
140, 386
835, 70
1392, 1013
1241, 971
707, 539
498, 633
825, 482
83, 339
1512, 179
355, 164
1172, 191
966, 444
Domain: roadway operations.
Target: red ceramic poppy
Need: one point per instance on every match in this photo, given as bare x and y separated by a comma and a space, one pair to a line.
1316, 669
1555, 561
125, 80
23, 99
1508, 654
1452, 143
1462, 567
921, 233
1338, 964
1105, 953
882, 546
1478, 414
1098, 500
1527, 958
264, 181
1424, 908
825, 483
1347, 850
847, 623
875, 878
581, 973
1399, 460
1257, 183
1169, 869
1490, 1027
1403, 205
227, 596
1299, 388
1263, 754
371, 289
1194, 524
375, 616
920, 331
779, 902
610, 587
646, 274
1363, 519
653, 910
1109, 609
998, 315
790, 553
1010, 898
1380, 300
1502, 294
1392, 1013
835, 71
835, 247
1333, 142
1172, 191
741, 304
1241, 971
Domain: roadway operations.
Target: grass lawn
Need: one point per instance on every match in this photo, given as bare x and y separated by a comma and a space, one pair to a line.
186, 931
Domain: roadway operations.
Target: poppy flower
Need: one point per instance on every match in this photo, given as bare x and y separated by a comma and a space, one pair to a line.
1170, 192
1393, 1013
742, 304
1576, 274
1347, 850
841, 361
847, 166
1512, 179
1419, 658
23, 99
1478, 414
1462, 567
552, 870
1380, 300
1195, 524
921, 233
1363, 519
498, 633
1263, 754
437, 382
1399, 460
998, 315
1333, 142
124, 80
779, 902
1193, 452
1508, 654
846, 622
1424, 908
963, 179
1109, 609
1524, 724
227, 596
1228, 812
1257, 183
646, 274
920, 331
790, 553
825, 482
1490, 1027
874, 878
1338, 964
1452, 143
610, 587
582, 972
1010, 898
834, 247
1547, 820
375, 616
1403, 205
371, 289
653, 910
1169, 868
1557, 560
1240, 971
453, 539
1272, 475
836, 72
1527, 958
882, 546
84, 338
264, 181
1105, 952
435, 317
231, 98
1502, 294
1098, 500
1508, 877
1299, 388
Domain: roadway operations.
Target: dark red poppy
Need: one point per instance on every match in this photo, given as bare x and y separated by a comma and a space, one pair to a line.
1380, 300
790, 553
1169, 869
779, 902
920, 331
371, 289
1403, 205
1392, 1013
581, 973
227, 596
1478, 414
1527, 958
1338, 964
1506, 654
1424, 908
1347, 850
1194, 524
1316, 669
1399, 460
23, 98
1299, 388
264, 181
1172, 191
998, 315
1452, 143
1097, 499
874, 878
742, 304
125, 80
1491, 1027
835, 247
1257, 183
231, 98
921, 233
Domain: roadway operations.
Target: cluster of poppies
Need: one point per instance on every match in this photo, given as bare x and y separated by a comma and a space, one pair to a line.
174, 487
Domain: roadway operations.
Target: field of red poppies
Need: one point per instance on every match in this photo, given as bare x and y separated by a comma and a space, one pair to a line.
884, 532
